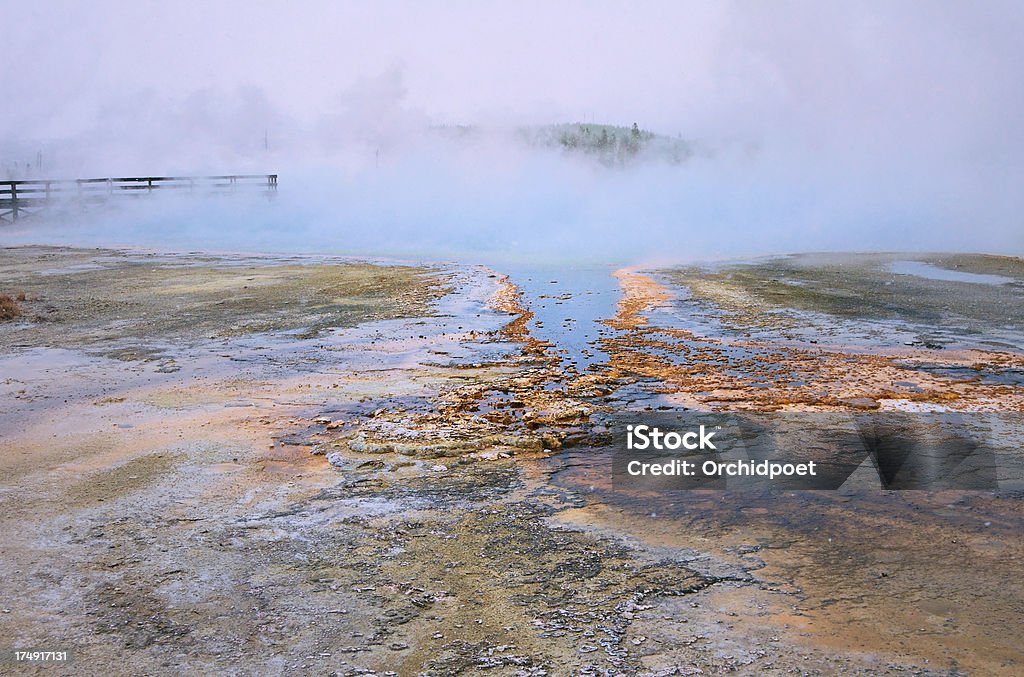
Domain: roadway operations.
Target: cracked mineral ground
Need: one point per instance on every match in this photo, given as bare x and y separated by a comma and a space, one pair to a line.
262, 465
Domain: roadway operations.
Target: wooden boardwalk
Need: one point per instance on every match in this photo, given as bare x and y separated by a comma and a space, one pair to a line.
20, 199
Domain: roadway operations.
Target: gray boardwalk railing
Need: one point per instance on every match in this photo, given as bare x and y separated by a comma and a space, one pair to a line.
20, 199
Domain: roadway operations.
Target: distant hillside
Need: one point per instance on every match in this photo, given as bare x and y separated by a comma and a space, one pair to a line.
609, 144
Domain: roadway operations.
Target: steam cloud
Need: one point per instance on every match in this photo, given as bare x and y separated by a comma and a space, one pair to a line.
877, 126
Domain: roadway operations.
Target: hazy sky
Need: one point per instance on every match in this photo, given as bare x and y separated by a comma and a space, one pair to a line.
854, 112
870, 68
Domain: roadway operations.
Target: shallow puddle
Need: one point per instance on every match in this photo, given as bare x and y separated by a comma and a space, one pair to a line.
933, 272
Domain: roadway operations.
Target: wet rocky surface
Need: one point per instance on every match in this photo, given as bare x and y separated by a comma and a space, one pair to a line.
418, 485
824, 332
931, 301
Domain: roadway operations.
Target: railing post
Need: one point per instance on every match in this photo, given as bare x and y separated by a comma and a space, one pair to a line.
14, 200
